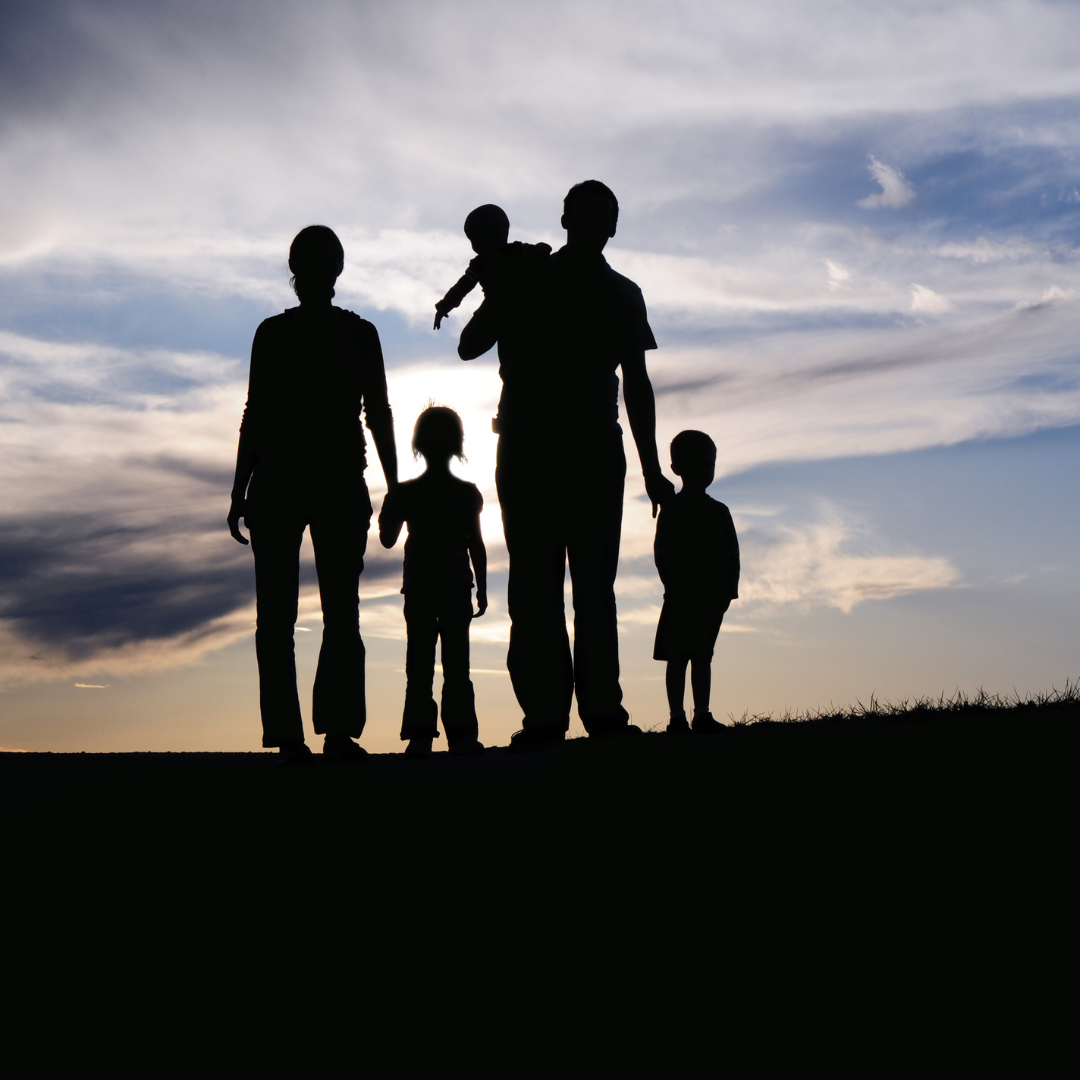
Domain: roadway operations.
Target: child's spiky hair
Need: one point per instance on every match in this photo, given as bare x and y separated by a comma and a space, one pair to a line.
438, 431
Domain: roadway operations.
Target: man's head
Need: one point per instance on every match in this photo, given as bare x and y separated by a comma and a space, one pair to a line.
693, 457
487, 228
590, 214
316, 258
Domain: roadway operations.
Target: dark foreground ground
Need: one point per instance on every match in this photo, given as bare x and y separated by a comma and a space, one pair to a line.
945, 784
878, 870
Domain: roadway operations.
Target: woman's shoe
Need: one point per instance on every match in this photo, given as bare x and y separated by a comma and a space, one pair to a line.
678, 726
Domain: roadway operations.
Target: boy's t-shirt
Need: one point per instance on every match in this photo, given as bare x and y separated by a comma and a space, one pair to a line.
696, 549
439, 511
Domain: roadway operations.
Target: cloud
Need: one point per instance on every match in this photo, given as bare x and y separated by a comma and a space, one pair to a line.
895, 190
814, 566
924, 299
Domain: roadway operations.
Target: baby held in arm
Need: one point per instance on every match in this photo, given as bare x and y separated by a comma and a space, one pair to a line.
488, 230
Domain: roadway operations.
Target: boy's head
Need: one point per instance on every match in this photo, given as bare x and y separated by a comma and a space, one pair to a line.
438, 434
693, 457
487, 228
316, 258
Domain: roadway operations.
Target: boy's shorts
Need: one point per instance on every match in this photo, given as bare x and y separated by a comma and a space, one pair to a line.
688, 627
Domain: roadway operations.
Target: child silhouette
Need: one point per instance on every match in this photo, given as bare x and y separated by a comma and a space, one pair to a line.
697, 555
488, 229
443, 515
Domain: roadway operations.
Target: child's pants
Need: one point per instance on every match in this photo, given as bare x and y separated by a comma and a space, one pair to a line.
428, 618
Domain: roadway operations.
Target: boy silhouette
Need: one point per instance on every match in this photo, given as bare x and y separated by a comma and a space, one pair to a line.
488, 230
697, 555
443, 515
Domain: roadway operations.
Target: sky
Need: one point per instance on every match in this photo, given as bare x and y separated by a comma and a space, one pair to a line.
857, 231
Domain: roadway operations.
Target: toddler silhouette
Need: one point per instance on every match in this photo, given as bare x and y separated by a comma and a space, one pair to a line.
697, 555
488, 229
443, 516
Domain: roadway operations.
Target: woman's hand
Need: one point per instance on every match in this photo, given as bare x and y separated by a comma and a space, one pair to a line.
481, 603
236, 512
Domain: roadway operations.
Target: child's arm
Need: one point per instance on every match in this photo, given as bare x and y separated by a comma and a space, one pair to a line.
390, 521
458, 291
478, 554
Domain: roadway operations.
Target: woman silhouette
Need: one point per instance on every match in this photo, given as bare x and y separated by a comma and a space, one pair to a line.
301, 464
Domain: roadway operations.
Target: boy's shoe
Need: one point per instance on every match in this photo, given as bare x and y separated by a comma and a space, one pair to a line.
530, 740
340, 748
706, 725
678, 726
474, 747
418, 748
295, 753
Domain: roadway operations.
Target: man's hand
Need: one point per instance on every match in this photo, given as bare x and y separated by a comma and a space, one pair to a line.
481, 603
236, 512
659, 489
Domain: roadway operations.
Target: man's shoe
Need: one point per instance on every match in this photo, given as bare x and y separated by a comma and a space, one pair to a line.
340, 748
530, 740
295, 753
706, 725
678, 726
615, 731
418, 748
474, 747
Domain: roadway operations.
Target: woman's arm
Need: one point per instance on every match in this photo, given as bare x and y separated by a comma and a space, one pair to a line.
245, 450
377, 414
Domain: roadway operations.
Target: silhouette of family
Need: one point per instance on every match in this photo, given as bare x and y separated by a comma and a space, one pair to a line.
565, 325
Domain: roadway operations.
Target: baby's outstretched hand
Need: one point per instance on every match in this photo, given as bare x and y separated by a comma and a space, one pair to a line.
481, 603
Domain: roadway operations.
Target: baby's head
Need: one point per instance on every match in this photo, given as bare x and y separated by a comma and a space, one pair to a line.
487, 228
693, 457
438, 435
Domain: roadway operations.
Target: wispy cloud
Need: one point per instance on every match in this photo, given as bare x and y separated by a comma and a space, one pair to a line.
895, 190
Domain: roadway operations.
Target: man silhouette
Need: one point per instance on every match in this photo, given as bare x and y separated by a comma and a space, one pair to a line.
561, 467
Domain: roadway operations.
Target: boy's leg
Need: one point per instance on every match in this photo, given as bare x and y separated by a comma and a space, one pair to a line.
701, 683
339, 537
419, 719
458, 698
675, 680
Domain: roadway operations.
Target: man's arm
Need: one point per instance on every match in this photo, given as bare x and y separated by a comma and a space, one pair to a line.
641, 412
479, 334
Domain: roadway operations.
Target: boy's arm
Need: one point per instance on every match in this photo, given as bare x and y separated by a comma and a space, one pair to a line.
478, 554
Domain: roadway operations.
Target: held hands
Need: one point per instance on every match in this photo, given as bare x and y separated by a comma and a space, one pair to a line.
237, 511
481, 603
659, 489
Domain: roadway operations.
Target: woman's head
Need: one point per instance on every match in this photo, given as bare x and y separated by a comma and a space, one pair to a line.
316, 257
438, 434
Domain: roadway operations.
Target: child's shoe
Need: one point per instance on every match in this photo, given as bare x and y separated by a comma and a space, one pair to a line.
704, 724
340, 748
678, 726
474, 747
418, 748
